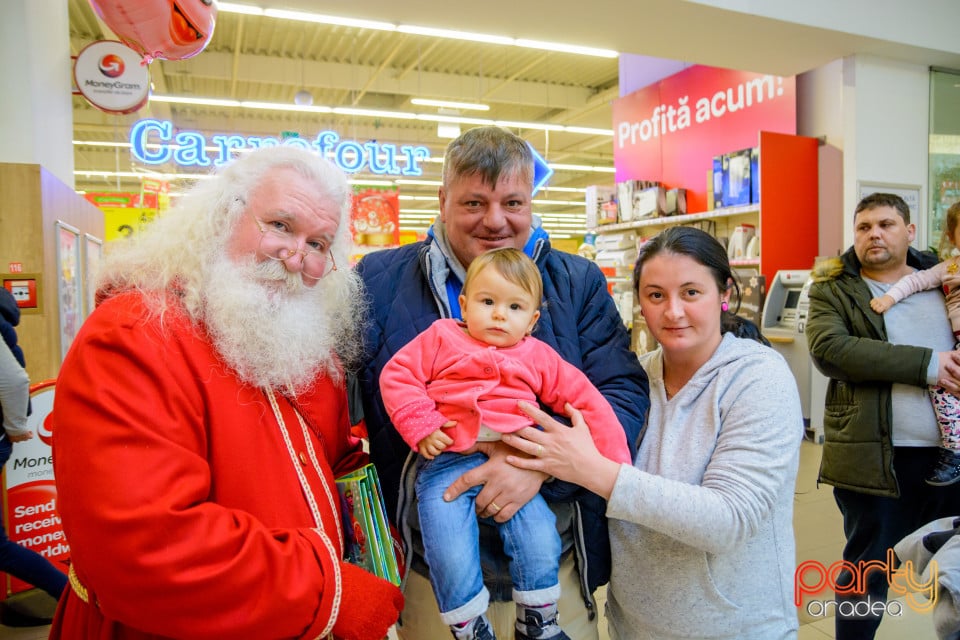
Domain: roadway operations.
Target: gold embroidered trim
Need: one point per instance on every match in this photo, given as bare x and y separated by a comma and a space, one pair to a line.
312, 502
77, 586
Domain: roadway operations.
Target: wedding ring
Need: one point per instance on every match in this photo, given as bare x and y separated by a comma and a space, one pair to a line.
495, 506
539, 450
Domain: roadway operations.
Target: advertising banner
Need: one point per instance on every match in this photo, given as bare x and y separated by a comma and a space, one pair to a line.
30, 496
670, 131
375, 219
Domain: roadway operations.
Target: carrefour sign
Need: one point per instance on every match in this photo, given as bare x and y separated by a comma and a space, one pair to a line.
154, 142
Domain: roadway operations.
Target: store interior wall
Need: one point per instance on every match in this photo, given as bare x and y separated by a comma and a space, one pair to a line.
636, 72
924, 24
34, 200
819, 115
36, 112
886, 106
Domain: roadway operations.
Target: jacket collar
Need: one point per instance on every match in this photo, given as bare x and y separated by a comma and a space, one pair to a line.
445, 274
848, 264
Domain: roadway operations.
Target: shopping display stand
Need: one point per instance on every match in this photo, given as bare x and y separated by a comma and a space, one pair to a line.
30, 514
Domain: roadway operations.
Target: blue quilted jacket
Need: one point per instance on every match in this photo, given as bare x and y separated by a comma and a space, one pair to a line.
578, 319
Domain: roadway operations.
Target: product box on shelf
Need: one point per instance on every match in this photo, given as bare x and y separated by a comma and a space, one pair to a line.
619, 240
638, 199
753, 291
617, 258
672, 202
646, 203
736, 178
715, 189
740, 241
755, 175
641, 338
608, 213
596, 198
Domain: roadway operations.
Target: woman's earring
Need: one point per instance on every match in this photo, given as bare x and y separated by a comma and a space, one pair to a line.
724, 306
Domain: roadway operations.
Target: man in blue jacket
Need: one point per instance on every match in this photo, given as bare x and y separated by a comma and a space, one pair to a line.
485, 203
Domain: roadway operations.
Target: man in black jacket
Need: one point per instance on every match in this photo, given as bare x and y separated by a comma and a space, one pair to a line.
485, 203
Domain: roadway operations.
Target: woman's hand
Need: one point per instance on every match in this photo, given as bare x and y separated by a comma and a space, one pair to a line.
506, 487
567, 453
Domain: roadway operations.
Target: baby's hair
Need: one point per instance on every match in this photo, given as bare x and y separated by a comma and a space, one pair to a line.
512, 264
950, 222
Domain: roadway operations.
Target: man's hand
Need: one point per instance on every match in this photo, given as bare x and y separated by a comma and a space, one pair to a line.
23, 437
505, 488
948, 374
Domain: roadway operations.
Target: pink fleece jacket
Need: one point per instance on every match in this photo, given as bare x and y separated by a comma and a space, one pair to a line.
444, 374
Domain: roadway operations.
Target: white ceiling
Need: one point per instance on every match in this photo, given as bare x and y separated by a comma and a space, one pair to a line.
270, 59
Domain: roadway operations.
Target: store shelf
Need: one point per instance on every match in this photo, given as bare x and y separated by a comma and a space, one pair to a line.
669, 221
785, 220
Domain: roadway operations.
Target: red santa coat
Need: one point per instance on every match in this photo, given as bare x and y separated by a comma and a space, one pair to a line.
180, 501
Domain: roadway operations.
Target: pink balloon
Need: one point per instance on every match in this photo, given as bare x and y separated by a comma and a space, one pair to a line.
167, 29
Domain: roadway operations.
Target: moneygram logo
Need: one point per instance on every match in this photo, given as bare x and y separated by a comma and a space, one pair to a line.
111, 65
812, 578
44, 432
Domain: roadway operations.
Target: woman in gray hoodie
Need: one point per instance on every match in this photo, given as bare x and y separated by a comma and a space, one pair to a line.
701, 524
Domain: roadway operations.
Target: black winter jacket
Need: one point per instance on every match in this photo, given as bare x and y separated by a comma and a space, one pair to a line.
578, 319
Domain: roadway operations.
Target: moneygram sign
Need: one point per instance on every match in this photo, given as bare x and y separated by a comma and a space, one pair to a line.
30, 493
110, 76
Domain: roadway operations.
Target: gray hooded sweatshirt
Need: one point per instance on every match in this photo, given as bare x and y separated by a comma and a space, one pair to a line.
701, 526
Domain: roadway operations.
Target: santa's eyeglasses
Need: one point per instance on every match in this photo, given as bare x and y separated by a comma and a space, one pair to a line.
278, 243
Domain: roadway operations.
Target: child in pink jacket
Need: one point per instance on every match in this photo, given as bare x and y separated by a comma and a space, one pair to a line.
458, 383
944, 275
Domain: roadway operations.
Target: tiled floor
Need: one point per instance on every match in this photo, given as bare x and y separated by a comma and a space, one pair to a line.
819, 533
819, 536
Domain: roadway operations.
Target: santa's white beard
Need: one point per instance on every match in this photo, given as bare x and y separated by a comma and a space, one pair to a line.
269, 326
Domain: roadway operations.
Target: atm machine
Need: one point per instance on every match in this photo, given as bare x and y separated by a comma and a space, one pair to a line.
784, 322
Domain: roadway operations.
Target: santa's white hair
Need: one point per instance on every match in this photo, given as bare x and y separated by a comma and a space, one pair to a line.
268, 341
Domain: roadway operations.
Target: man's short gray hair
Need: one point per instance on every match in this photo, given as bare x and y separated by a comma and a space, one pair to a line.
488, 152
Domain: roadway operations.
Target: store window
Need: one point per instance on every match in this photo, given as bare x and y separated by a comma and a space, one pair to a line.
944, 148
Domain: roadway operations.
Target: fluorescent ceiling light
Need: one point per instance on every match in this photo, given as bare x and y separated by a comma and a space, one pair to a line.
379, 113
304, 16
374, 113
539, 126
567, 48
590, 131
97, 143
437, 117
565, 189
230, 7
455, 35
141, 175
422, 183
208, 102
581, 167
304, 108
467, 106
